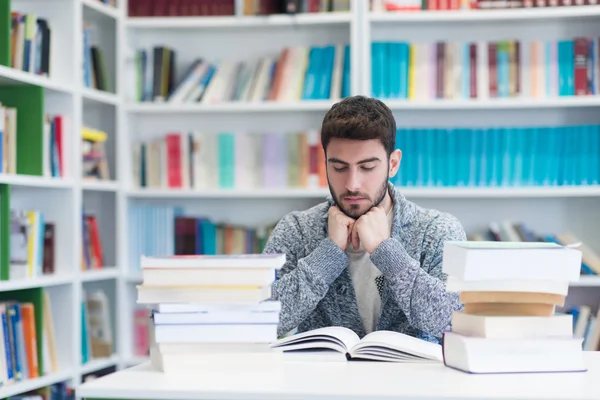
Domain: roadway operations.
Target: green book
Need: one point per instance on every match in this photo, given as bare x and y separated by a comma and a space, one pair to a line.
4, 232
5, 29
29, 102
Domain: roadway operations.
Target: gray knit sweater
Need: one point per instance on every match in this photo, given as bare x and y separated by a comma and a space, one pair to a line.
315, 288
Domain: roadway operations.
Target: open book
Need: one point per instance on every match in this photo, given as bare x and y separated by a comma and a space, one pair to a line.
376, 346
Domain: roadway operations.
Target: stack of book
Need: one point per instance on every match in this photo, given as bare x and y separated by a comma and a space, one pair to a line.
510, 292
208, 309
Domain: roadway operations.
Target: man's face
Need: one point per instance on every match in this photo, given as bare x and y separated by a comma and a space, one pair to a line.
358, 172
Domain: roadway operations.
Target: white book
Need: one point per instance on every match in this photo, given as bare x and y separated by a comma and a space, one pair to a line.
200, 294
482, 355
376, 346
263, 307
234, 333
483, 80
274, 261
208, 276
512, 327
206, 318
482, 260
454, 284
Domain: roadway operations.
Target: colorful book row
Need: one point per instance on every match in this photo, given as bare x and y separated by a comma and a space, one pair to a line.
481, 70
30, 43
200, 160
494, 157
296, 73
511, 231
169, 230
95, 74
444, 5
32, 244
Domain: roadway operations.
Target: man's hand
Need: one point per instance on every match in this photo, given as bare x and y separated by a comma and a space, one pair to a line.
371, 229
339, 227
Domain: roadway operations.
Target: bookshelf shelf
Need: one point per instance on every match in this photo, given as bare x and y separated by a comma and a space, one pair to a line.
495, 104
36, 383
136, 360
36, 181
97, 96
587, 281
134, 277
11, 76
101, 274
229, 193
37, 282
432, 192
100, 186
308, 19
102, 9
519, 14
266, 107
98, 364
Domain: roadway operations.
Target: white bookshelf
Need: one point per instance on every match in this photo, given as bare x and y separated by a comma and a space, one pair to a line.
550, 209
60, 199
546, 209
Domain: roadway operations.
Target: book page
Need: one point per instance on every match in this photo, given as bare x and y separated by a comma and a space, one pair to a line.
401, 342
343, 336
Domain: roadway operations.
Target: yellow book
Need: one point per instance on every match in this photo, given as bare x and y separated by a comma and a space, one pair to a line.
411, 72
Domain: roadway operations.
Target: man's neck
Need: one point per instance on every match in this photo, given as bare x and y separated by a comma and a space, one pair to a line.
387, 202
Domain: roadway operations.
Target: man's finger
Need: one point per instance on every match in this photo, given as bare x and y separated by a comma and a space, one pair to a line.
355, 238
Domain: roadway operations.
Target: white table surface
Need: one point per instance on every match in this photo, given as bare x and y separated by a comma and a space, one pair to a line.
344, 380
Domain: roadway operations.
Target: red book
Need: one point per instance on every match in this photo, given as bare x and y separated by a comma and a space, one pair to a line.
473, 70
493, 68
174, 172
580, 71
58, 126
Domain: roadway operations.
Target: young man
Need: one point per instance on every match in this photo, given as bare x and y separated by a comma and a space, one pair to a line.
367, 258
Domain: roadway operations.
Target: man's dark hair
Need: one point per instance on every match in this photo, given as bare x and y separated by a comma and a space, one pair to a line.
360, 118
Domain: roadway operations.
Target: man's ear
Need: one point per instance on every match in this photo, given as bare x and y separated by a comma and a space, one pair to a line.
395, 158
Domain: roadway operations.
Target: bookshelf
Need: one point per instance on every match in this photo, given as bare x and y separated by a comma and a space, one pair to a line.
547, 208
52, 185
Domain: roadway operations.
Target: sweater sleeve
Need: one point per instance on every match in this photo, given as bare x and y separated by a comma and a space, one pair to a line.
420, 290
302, 282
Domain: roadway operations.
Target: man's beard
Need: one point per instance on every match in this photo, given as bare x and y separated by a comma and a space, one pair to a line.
354, 210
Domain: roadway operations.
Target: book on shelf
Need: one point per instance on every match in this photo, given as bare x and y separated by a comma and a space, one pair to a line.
32, 244
92, 254
228, 160
455, 5
170, 230
585, 324
338, 343
8, 140
95, 74
519, 231
39, 146
297, 73
93, 149
189, 8
268, 7
27, 349
176, 8
30, 43
501, 69
511, 329
499, 156
96, 326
